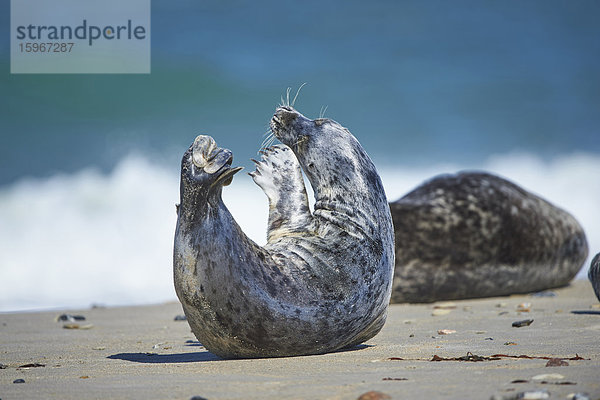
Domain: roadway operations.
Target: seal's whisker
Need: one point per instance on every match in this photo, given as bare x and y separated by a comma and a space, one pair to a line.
322, 113
297, 93
270, 142
287, 96
265, 141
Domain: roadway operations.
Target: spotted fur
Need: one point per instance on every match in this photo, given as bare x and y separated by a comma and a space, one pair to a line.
323, 280
594, 275
477, 235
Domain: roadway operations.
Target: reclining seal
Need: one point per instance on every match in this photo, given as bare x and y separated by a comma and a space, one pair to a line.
475, 234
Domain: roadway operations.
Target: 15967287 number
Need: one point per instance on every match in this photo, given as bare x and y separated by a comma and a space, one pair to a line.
50, 47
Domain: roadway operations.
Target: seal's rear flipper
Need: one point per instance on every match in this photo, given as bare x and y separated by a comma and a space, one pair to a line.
211, 164
280, 177
206, 154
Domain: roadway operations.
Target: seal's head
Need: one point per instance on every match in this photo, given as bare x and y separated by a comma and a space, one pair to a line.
205, 169
330, 155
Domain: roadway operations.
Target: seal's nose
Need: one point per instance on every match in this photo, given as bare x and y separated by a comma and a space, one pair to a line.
285, 115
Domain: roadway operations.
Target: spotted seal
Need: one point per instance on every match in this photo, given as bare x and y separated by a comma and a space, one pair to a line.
594, 275
475, 234
323, 280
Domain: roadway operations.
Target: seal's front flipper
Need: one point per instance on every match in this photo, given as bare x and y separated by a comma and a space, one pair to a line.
280, 177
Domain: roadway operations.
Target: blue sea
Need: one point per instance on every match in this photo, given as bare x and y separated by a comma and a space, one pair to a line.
89, 164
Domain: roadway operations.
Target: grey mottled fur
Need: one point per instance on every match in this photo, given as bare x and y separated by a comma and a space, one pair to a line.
323, 280
477, 235
594, 275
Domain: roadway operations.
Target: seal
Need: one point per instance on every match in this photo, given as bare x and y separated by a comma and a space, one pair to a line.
323, 280
594, 275
475, 234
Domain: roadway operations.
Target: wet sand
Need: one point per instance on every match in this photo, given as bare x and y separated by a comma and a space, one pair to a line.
143, 353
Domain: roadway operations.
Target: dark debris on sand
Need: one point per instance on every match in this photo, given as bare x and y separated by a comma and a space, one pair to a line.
495, 357
70, 318
519, 324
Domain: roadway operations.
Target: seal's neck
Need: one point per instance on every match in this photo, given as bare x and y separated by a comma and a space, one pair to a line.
344, 180
197, 200
348, 186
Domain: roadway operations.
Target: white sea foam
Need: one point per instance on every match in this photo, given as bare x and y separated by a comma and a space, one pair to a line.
74, 240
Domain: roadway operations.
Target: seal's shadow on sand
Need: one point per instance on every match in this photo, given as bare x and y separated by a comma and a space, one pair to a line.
146, 358
201, 356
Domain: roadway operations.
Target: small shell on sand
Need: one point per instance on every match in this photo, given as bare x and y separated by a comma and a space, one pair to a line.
548, 377
445, 305
77, 326
446, 331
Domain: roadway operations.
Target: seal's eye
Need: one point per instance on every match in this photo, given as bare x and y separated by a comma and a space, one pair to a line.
320, 121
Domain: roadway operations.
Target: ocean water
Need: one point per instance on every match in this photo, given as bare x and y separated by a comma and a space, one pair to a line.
89, 163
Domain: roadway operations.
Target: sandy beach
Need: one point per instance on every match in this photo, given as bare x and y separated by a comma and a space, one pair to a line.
144, 353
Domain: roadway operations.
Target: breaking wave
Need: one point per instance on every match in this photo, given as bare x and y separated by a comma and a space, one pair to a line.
70, 241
